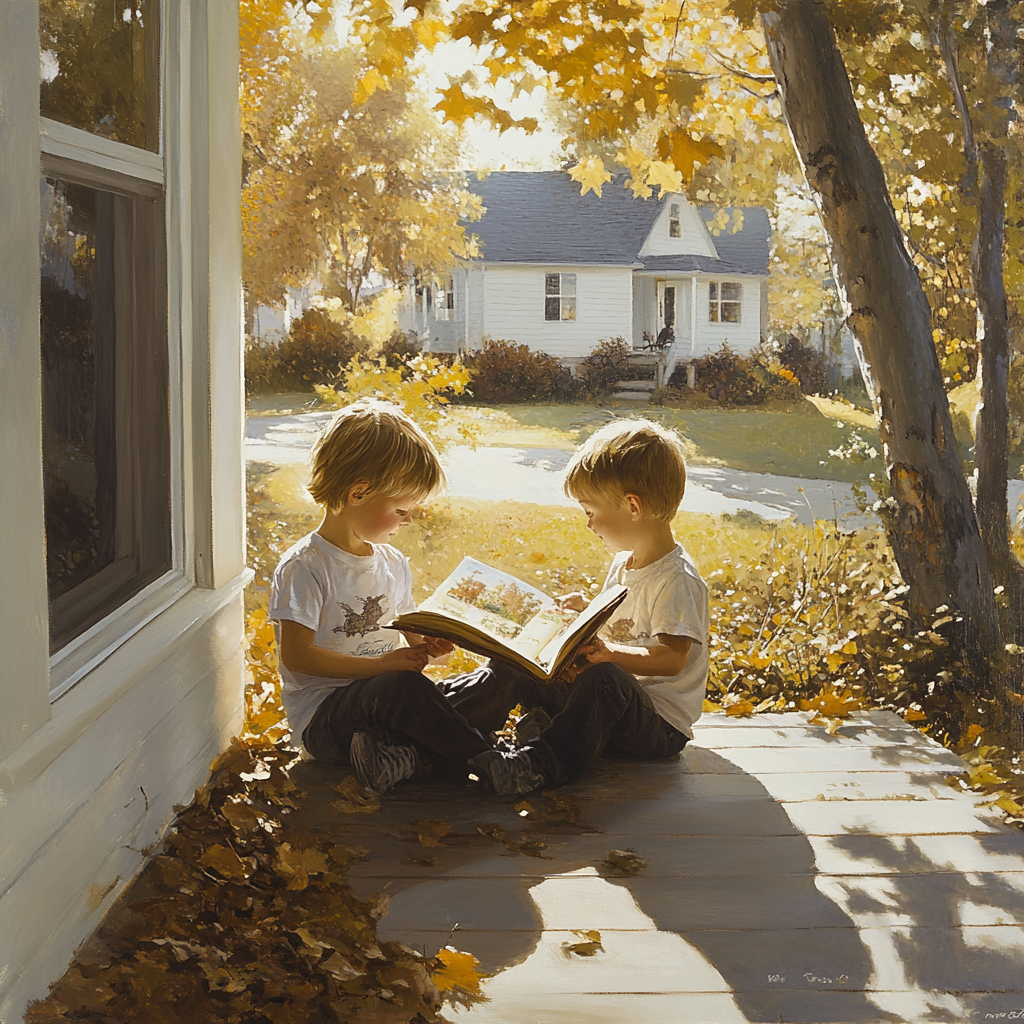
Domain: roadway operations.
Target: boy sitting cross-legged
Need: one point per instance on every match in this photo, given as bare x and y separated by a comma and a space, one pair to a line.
353, 691
644, 686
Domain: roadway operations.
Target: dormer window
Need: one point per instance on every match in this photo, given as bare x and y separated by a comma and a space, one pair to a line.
674, 230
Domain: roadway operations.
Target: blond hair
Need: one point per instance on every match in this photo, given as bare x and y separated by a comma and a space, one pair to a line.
631, 457
373, 443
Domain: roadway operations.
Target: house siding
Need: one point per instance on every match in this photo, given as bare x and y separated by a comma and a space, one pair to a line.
514, 307
89, 779
694, 238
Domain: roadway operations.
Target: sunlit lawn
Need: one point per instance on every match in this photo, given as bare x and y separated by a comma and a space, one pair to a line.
789, 440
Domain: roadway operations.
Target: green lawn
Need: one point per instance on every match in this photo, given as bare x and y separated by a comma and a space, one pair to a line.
788, 442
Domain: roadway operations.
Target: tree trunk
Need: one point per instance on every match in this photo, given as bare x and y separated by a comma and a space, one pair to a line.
991, 422
930, 523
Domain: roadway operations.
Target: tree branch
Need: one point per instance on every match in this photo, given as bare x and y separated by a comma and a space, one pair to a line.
943, 35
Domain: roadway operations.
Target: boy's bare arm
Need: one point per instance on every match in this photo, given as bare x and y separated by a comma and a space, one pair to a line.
299, 653
666, 658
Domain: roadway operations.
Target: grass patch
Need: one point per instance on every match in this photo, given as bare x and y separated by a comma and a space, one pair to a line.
789, 441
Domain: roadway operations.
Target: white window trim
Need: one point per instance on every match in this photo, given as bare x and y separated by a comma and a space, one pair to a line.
739, 302
104, 161
562, 296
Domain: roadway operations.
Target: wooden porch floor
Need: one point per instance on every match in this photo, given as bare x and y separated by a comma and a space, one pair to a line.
790, 876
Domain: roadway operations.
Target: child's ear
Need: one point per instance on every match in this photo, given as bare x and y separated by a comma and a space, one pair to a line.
636, 507
357, 492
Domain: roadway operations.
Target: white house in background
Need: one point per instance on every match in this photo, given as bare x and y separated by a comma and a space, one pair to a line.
122, 550
560, 271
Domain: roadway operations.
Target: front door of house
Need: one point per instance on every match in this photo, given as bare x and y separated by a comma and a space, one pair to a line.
667, 308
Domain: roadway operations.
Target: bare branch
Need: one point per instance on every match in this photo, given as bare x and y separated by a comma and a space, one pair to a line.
723, 61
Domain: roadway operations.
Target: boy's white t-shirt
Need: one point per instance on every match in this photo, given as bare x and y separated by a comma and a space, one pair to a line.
343, 598
667, 596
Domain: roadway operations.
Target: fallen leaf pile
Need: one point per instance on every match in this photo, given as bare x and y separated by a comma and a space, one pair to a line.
242, 918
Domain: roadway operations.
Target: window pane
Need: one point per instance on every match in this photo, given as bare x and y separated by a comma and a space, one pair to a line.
551, 308
99, 67
569, 309
568, 284
713, 290
731, 291
106, 444
551, 284
670, 307
731, 312
713, 312
673, 229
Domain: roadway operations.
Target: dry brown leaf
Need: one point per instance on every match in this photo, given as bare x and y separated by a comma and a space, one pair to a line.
427, 862
625, 860
338, 966
298, 881
526, 845
354, 798
224, 861
241, 816
431, 831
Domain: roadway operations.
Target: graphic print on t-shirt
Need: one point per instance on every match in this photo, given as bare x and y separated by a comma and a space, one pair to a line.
362, 622
620, 631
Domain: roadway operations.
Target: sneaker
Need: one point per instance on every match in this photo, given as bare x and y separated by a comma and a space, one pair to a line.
508, 773
531, 725
381, 766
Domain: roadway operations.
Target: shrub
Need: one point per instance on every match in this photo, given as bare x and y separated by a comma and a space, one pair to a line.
262, 366
807, 364
504, 371
316, 350
400, 348
604, 367
729, 379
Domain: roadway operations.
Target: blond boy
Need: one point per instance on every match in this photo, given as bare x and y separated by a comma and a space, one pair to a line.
644, 686
354, 691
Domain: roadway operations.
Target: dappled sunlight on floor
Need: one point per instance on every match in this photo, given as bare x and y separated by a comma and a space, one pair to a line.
783, 874
629, 976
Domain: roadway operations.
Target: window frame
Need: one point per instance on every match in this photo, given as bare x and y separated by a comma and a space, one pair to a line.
444, 300
563, 296
717, 301
675, 226
98, 162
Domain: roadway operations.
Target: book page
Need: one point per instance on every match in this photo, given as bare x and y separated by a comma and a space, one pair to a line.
506, 608
575, 623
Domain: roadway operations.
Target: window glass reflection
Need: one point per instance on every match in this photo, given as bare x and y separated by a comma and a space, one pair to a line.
99, 67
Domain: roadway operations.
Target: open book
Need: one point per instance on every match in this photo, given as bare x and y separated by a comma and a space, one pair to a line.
487, 611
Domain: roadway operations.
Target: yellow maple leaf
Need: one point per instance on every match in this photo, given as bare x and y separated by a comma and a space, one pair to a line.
429, 31
683, 151
591, 174
1010, 806
740, 709
457, 970
370, 83
665, 177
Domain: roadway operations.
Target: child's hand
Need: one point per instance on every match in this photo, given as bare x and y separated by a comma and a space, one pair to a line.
438, 647
574, 602
405, 659
596, 651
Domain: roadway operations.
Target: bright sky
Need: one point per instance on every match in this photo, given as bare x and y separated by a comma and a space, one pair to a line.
486, 148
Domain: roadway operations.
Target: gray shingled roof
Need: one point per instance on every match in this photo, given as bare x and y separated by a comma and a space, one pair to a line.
540, 217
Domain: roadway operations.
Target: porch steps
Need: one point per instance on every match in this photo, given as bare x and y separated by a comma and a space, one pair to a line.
638, 390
